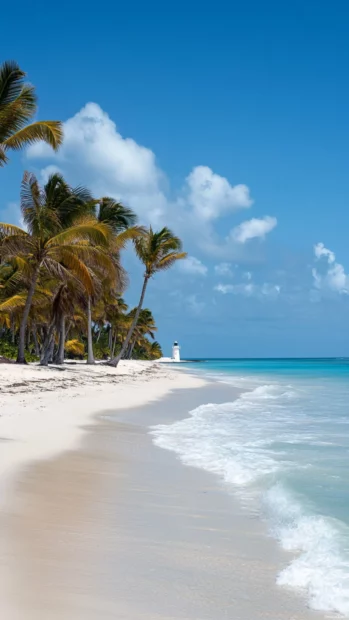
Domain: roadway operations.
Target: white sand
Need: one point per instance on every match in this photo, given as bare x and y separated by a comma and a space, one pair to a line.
43, 410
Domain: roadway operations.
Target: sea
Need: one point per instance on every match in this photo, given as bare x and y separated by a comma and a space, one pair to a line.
282, 447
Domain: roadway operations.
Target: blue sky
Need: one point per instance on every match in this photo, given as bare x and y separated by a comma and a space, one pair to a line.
226, 121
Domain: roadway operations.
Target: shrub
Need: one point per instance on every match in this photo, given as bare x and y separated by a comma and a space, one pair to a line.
74, 349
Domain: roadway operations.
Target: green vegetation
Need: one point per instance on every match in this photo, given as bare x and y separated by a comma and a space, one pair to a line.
61, 276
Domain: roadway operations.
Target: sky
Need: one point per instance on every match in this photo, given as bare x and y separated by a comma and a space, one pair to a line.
227, 122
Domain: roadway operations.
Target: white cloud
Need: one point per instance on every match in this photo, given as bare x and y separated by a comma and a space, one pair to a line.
250, 289
97, 155
212, 196
223, 269
321, 251
251, 229
224, 288
270, 290
46, 172
334, 277
11, 214
192, 265
247, 275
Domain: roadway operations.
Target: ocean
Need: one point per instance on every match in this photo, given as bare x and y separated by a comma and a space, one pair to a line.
283, 449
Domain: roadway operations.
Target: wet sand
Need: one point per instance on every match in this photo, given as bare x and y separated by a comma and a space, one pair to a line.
121, 529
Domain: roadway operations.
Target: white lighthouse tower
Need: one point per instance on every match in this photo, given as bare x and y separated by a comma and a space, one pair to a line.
176, 352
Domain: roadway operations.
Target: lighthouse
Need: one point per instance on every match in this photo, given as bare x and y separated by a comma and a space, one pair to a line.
176, 352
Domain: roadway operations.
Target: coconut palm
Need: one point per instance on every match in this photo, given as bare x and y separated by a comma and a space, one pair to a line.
145, 327
157, 251
47, 247
122, 221
155, 351
68, 296
18, 105
115, 214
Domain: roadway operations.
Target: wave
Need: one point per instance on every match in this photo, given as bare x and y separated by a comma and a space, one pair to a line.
250, 444
321, 567
205, 440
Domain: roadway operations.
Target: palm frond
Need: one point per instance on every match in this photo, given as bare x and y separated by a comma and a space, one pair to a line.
116, 214
14, 303
15, 115
50, 132
11, 229
3, 157
158, 250
11, 82
120, 240
71, 262
17, 245
167, 261
89, 230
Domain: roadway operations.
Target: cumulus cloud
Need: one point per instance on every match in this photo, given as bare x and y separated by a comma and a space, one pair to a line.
212, 196
223, 269
94, 153
333, 277
252, 229
321, 251
192, 265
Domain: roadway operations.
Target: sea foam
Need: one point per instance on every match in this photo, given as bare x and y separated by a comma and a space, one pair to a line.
256, 444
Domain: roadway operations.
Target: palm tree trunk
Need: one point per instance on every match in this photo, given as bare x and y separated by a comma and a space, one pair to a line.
51, 350
28, 303
60, 352
68, 329
90, 356
114, 345
28, 339
46, 347
114, 362
110, 340
12, 328
35, 338
130, 351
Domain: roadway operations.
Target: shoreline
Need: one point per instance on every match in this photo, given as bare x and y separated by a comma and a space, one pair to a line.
45, 411
115, 526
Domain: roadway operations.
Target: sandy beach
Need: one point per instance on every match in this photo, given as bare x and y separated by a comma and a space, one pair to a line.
100, 523
44, 410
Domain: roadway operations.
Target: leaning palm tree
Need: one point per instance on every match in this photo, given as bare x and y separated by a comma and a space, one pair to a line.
18, 105
157, 251
47, 247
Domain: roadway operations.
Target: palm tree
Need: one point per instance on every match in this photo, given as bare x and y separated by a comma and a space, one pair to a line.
18, 105
145, 327
157, 251
155, 351
122, 221
47, 247
115, 214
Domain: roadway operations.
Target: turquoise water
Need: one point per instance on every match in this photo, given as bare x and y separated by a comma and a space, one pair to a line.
283, 447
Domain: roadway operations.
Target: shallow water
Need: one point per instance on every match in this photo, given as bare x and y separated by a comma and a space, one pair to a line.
283, 448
